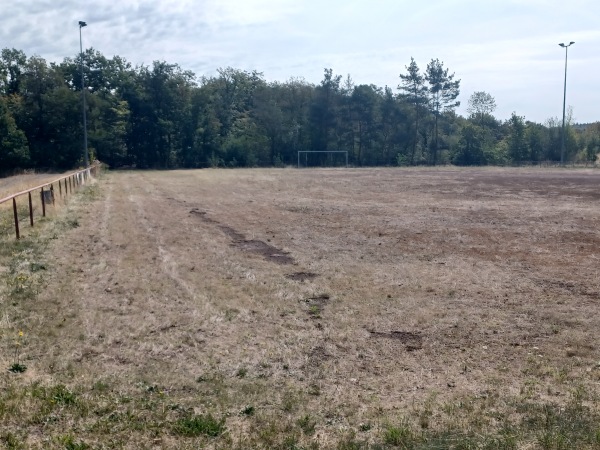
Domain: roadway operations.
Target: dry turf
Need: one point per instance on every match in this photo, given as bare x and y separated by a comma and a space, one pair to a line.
297, 309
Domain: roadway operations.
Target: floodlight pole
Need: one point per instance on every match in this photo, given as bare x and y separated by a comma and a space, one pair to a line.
85, 139
562, 146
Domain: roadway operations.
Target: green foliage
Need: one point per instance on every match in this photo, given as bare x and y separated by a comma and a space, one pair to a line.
518, 148
70, 443
481, 104
198, 425
402, 160
162, 116
471, 149
307, 424
591, 140
399, 436
443, 91
415, 93
13, 143
11, 441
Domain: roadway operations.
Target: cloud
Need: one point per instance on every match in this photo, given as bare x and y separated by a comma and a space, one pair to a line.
508, 48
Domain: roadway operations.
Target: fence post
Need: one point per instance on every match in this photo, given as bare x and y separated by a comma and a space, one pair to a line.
16, 218
43, 203
30, 209
59, 189
52, 195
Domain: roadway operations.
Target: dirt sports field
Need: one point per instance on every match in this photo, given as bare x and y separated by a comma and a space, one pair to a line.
342, 308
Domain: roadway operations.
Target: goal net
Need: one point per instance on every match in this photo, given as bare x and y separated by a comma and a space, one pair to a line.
333, 158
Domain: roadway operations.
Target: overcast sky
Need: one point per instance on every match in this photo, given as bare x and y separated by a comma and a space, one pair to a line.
508, 48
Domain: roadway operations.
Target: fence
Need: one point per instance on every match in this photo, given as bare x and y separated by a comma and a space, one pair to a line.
66, 185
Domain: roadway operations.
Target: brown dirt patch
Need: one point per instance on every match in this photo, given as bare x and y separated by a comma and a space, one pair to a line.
413, 341
301, 276
267, 251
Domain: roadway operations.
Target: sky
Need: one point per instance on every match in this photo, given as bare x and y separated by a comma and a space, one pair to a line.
507, 48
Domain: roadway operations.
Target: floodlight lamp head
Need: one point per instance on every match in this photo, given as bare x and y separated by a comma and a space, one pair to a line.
82, 24
561, 44
571, 43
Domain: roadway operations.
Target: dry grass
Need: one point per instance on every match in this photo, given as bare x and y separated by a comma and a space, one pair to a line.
310, 309
17, 183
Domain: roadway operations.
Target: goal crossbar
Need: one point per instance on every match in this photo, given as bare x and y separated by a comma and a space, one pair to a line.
322, 151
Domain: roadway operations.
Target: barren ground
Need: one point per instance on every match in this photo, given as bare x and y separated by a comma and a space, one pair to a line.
357, 298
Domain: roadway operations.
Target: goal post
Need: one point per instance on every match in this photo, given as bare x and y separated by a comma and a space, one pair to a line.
306, 152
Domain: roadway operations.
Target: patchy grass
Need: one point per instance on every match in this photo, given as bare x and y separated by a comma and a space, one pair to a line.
144, 418
424, 324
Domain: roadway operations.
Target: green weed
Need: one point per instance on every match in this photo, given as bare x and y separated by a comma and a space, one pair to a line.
248, 411
307, 424
68, 442
399, 436
198, 425
16, 366
11, 441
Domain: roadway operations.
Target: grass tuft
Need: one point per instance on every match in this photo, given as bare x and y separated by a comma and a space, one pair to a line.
307, 424
17, 368
198, 425
399, 436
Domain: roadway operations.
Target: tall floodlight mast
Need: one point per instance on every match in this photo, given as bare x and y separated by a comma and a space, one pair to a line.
86, 160
562, 146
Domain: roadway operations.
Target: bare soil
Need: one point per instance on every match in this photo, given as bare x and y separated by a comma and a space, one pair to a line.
373, 291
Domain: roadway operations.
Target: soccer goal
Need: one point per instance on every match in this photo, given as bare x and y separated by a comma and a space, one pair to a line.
322, 158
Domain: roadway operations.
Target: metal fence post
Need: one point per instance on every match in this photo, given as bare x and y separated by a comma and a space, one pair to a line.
71, 182
43, 203
16, 218
30, 209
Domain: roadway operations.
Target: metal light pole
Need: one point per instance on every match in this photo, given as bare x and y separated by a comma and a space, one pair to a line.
562, 147
85, 142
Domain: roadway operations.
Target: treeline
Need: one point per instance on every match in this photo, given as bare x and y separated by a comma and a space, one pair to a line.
162, 116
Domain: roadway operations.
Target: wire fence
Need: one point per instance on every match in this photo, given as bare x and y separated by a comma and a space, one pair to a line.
26, 203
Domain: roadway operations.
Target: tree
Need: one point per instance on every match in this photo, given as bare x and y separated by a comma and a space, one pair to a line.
295, 97
159, 100
536, 141
12, 64
592, 149
591, 142
443, 91
471, 146
393, 128
481, 104
365, 101
517, 142
413, 84
13, 144
324, 111
269, 117
42, 111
